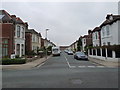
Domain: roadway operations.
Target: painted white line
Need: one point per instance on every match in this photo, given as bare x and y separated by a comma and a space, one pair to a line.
100, 66
67, 62
91, 66
94, 63
40, 65
81, 66
72, 66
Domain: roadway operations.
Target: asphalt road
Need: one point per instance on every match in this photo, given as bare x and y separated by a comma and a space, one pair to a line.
62, 72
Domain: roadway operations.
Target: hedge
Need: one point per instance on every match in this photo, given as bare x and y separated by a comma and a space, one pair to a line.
8, 61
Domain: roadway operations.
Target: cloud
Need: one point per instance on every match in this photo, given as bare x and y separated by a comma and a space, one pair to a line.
66, 21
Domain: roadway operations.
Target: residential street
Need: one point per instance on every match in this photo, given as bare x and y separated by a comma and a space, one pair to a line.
62, 72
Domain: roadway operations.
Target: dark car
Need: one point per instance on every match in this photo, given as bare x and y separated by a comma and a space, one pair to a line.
80, 56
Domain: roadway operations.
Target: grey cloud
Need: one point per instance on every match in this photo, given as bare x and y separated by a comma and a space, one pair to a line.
66, 21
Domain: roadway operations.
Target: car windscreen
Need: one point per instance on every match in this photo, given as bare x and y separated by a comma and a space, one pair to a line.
55, 50
80, 53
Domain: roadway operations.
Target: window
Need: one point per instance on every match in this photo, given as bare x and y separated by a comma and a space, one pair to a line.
18, 49
33, 38
96, 35
22, 32
22, 50
103, 32
108, 43
107, 30
4, 46
18, 31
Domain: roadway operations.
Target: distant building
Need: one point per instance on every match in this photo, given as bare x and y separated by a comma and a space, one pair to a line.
73, 46
33, 40
63, 47
86, 40
48, 43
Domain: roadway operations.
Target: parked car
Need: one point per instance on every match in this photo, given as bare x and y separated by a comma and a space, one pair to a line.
80, 56
65, 50
70, 52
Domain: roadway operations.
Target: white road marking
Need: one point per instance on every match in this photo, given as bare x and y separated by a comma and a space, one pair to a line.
40, 65
67, 62
100, 66
72, 66
91, 66
81, 66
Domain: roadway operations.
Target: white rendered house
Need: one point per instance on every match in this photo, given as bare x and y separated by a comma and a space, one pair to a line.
110, 30
96, 40
20, 39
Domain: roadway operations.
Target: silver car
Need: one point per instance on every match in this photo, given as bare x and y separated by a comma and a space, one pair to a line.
80, 56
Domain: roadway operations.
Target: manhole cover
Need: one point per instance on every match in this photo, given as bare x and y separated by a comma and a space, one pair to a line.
76, 81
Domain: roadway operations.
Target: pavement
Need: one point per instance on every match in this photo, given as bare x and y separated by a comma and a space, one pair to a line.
105, 63
28, 65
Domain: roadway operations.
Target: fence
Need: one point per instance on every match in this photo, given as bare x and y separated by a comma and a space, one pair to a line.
104, 54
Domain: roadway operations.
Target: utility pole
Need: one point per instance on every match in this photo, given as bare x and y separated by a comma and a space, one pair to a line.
46, 43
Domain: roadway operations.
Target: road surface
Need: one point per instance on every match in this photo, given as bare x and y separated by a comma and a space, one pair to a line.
62, 72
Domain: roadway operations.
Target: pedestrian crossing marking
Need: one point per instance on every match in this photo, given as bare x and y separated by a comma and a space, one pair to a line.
101, 66
91, 66
87, 66
72, 66
81, 66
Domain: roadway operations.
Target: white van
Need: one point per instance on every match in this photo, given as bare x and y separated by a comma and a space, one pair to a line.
56, 51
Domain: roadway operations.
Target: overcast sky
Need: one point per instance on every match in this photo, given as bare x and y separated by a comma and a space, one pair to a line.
66, 20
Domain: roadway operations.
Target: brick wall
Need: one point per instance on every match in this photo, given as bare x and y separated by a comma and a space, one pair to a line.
8, 34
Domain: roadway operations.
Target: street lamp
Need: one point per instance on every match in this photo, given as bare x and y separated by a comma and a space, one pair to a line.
46, 42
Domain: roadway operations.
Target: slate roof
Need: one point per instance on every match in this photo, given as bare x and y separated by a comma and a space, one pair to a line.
96, 29
5, 16
33, 31
108, 21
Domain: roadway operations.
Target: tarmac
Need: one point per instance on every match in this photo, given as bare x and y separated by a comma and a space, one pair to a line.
39, 61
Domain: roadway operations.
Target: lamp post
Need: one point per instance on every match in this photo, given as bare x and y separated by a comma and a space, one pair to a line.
46, 43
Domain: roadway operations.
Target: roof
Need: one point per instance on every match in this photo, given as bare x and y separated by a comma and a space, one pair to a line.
33, 31
96, 29
108, 21
17, 20
5, 16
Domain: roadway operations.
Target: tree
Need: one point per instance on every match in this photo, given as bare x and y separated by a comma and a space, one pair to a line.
79, 44
49, 48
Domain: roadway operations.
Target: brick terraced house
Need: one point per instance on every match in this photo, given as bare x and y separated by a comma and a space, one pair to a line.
13, 35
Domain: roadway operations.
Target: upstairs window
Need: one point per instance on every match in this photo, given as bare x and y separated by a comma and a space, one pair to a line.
107, 30
96, 35
22, 32
18, 31
103, 32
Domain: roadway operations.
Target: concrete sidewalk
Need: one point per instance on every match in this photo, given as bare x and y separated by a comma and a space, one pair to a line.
104, 63
28, 65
